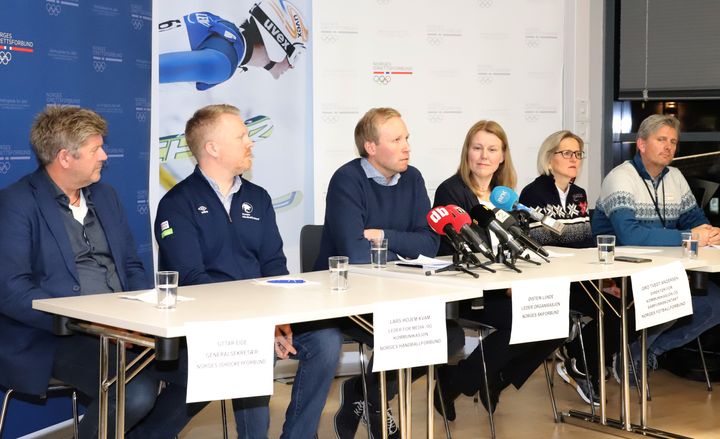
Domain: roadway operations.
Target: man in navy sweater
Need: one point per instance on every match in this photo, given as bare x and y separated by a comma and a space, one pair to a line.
215, 226
378, 195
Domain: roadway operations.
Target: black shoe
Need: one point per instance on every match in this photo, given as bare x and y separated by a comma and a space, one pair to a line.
494, 396
351, 410
376, 425
449, 393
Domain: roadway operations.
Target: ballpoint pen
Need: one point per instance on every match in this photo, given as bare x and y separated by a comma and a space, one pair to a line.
286, 281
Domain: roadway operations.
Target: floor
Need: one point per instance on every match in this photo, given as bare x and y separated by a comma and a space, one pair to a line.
678, 405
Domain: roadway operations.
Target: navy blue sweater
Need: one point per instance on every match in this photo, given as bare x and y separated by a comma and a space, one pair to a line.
355, 203
198, 239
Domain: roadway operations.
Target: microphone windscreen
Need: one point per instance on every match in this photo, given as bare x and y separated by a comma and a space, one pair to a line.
504, 197
438, 218
482, 215
459, 216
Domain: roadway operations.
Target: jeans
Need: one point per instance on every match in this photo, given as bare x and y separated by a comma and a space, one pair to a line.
170, 414
76, 363
318, 351
660, 339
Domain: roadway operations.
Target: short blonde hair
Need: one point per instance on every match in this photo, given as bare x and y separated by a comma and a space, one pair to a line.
550, 146
505, 173
62, 127
654, 122
367, 127
204, 119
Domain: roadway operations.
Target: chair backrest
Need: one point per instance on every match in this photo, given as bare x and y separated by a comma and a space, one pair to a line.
310, 236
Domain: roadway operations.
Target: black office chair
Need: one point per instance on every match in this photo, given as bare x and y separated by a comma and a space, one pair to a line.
54, 388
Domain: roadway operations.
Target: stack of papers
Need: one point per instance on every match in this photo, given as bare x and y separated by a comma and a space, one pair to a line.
425, 262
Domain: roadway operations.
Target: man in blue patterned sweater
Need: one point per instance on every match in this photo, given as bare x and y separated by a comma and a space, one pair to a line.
644, 201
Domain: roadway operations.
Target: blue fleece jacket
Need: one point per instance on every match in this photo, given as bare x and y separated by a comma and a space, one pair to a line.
355, 203
204, 244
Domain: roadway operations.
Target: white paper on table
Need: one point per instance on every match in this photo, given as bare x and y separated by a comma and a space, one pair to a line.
636, 251
426, 262
150, 296
661, 294
230, 359
540, 309
409, 333
554, 254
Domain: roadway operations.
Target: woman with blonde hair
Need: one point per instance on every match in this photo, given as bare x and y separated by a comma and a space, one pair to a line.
485, 163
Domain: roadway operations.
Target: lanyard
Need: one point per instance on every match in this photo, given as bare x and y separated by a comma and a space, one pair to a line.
654, 199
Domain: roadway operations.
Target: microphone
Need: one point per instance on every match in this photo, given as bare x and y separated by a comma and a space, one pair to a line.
511, 225
485, 218
440, 220
507, 200
462, 223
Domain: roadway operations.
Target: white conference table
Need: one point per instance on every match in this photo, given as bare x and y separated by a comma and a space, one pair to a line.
236, 300
578, 265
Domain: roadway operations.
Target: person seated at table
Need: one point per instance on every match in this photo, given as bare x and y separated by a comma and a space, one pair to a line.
485, 163
216, 226
645, 201
555, 194
378, 195
64, 234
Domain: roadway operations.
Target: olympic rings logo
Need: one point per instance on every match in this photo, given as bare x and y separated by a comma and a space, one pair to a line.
5, 57
142, 208
485, 3
137, 23
329, 118
53, 9
532, 43
327, 37
435, 116
99, 66
4, 167
485, 79
434, 40
382, 79
141, 116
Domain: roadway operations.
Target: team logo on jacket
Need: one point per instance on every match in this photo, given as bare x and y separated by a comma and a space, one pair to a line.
247, 209
202, 209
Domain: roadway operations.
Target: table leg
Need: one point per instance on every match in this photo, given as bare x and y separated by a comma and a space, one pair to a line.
402, 412
643, 382
408, 403
120, 391
601, 353
103, 388
627, 425
383, 405
430, 402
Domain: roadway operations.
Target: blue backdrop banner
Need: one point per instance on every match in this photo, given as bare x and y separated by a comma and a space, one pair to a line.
90, 53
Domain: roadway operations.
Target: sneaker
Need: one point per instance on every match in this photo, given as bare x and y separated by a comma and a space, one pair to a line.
574, 368
617, 370
581, 384
351, 410
375, 425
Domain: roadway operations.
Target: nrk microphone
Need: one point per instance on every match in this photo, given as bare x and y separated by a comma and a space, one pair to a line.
464, 225
507, 200
511, 225
441, 221
486, 218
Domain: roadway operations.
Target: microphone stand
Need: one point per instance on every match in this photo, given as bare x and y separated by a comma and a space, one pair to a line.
500, 258
459, 264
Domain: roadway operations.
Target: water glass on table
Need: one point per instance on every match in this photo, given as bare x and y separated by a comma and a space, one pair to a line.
339, 266
166, 284
606, 249
690, 244
378, 252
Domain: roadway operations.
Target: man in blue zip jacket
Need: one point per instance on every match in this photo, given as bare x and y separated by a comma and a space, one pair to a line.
216, 226
64, 233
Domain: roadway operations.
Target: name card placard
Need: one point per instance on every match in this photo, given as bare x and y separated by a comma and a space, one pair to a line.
661, 294
231, 359
540, 309
409, 333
